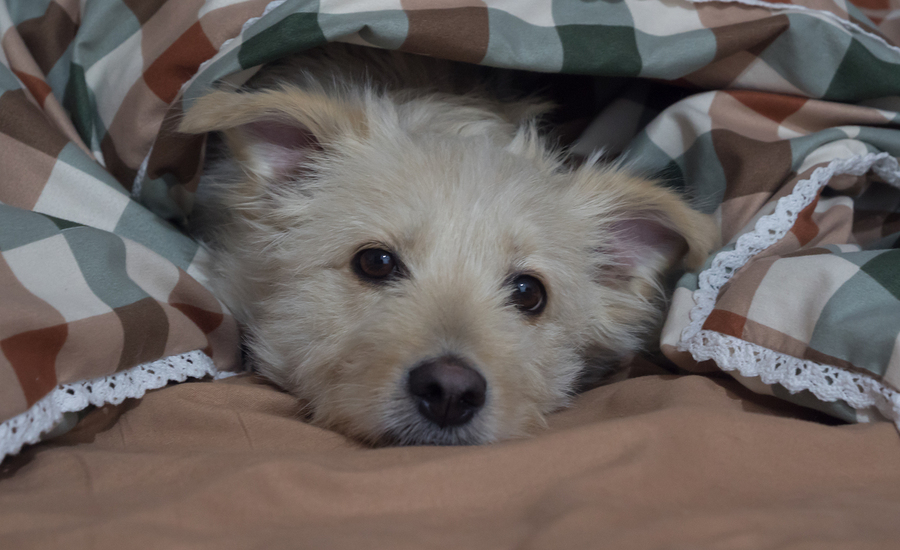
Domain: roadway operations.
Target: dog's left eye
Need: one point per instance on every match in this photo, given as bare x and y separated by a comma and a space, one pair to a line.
528, 294
375, 264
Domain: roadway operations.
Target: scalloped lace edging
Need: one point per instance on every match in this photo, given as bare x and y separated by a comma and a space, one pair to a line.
773, 227
827, 383
27, 427
767, 231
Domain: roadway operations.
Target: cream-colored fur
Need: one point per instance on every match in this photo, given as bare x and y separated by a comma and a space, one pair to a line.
463, 191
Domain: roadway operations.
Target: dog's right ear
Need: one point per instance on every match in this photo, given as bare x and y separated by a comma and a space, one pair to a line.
272, 133
647, 229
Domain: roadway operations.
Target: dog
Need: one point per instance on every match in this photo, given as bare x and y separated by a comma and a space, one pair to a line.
408, 255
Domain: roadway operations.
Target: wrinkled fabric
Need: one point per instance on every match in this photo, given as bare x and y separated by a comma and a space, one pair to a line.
657, 462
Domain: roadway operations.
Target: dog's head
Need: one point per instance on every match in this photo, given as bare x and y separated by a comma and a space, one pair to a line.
424, 271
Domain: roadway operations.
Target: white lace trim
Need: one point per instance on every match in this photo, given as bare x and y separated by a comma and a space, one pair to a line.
774, 6
827, 383
858, 390
27, 427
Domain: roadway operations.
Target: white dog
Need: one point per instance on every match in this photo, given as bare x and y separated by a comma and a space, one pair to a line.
407, 254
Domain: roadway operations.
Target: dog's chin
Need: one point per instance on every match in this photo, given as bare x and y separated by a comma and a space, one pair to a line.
410, 436
410, 431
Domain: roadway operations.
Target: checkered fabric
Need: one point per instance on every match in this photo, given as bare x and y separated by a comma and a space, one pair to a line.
784, 124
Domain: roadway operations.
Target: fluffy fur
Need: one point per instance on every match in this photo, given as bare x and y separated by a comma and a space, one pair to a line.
342, 149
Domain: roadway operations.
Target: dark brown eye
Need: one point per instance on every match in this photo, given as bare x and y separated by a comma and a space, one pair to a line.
528, 294
375, 264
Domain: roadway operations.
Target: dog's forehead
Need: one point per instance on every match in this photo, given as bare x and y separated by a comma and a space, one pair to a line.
461, 196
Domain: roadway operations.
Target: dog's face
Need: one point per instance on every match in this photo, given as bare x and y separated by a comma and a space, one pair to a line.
421, 276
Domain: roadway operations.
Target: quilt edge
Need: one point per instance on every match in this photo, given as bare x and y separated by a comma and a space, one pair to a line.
828, 383
27, 427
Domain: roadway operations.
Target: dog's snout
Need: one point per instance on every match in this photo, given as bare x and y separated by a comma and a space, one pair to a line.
447, 391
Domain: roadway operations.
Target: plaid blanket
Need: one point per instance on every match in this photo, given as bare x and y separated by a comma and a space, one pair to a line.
781, 118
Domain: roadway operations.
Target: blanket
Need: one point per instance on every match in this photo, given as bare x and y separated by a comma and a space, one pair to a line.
780, 118
658, 462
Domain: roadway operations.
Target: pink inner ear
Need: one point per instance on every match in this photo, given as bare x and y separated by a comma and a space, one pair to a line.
645, 242
281, 147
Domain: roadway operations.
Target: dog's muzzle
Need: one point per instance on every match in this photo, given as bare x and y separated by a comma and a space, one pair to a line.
447, 391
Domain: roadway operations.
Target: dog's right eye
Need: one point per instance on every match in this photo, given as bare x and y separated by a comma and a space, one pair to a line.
375, 264
528, 295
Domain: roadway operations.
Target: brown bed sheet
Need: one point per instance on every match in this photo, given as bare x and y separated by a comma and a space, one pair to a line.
652, 462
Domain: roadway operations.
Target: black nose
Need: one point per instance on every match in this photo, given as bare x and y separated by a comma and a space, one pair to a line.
447, 391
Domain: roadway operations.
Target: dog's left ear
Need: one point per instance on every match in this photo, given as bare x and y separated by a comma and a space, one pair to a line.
273, 133
646, 229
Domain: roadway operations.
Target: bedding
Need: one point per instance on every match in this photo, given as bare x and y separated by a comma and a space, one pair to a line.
655, 462
780, 118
